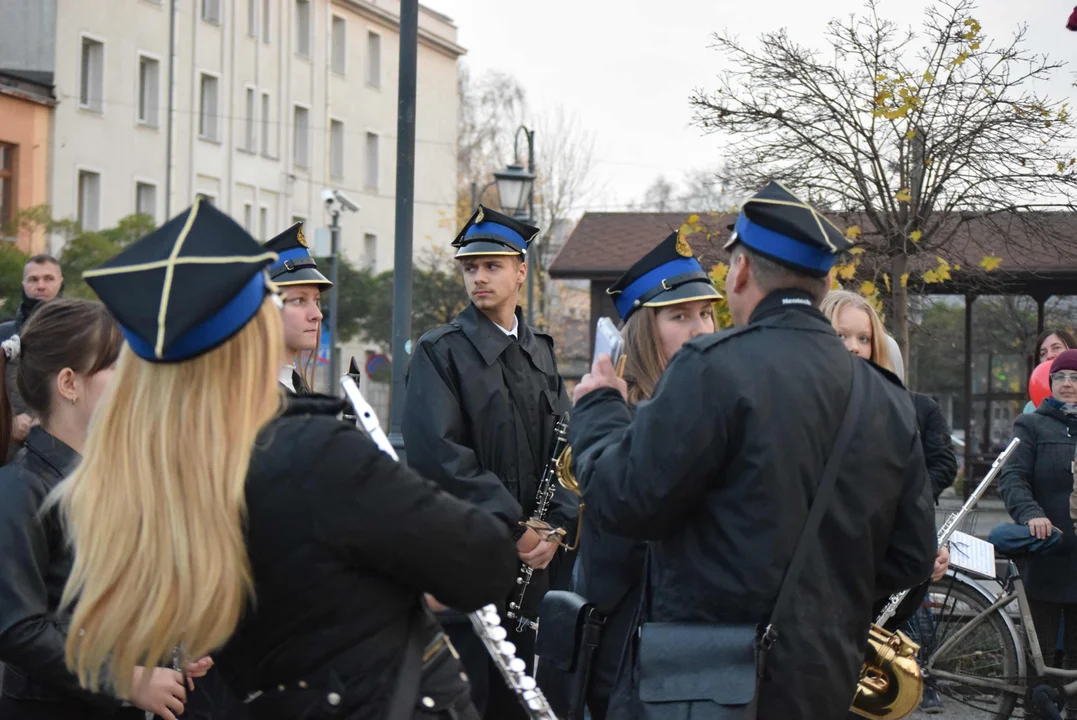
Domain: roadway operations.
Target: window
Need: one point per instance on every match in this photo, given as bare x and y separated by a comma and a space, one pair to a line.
7, 185
146, 199
207, 198
248, 216
252, 18
340, 45
267, 149
263, 223
211, 11
266, 6
373, 59
148, 94
249, 142
302, 27
207, 117
92, 75
301, 154
336, 148
370, 252
371, 180
89, 200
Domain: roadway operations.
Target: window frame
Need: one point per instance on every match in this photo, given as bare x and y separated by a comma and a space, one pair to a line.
11, 174
267, 131
88, 107
250, 123
341, 71
156, 124
309, 139
79, 169
333, 158
156, 188
373, 82
366, 162
299, 51
216, 138
217, 11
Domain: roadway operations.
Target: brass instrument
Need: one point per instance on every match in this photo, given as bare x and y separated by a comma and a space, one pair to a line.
890, 683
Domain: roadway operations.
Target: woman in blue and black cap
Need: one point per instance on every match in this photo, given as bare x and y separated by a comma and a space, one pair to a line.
664, 300
207, 518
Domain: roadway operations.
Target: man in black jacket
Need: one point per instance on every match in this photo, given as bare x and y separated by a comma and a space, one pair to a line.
483, 396
718, 471
42, 280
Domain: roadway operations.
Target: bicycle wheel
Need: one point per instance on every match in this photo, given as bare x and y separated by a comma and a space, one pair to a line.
989, 651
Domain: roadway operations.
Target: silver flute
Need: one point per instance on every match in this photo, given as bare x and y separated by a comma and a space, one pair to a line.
487, 622
950, 525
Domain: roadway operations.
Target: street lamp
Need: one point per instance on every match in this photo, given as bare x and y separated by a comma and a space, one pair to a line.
516, 196
514, 185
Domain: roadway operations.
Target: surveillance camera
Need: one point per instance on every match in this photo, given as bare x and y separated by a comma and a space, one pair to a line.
330, 196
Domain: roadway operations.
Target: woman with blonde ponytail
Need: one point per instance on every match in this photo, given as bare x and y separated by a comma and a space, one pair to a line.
209, 516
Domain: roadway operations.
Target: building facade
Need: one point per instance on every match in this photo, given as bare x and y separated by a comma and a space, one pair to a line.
26, 103
265, 104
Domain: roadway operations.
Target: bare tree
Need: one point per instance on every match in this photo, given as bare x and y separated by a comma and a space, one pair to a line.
920, 135
659, 196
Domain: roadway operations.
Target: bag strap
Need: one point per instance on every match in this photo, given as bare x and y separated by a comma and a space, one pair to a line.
807, 541
402, 704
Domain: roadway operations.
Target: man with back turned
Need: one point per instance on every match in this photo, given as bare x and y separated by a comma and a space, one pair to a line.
720, 469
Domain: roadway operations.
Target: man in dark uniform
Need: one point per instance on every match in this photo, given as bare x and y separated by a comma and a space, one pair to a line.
719, 469
483, 396
302, 285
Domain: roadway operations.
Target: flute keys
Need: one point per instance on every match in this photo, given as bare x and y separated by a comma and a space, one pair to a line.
527, 683
517, 665
498, 633
507, 649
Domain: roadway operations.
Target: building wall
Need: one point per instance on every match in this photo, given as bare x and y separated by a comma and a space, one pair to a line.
27, 34
25, 124
125, 151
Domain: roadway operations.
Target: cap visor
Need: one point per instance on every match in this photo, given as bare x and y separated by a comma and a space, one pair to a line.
487, 247
303, 276
689, 292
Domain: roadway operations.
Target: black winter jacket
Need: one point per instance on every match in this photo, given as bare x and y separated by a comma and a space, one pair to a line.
1037, 482
938, 444
718, 471
34, 567
343, 541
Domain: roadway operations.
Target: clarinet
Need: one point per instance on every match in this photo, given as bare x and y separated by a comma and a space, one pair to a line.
486, 621
950, 525
546, 490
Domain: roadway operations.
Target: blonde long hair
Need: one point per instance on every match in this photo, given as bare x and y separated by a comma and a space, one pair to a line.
837, 300
155, 509
644, 360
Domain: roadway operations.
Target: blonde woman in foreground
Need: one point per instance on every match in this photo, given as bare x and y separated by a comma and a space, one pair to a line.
208, 518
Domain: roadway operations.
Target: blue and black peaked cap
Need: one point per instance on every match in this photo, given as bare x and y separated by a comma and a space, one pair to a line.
667, 275
488, 232
294, 265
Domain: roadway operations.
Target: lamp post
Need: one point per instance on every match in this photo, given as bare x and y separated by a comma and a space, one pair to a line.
516, 196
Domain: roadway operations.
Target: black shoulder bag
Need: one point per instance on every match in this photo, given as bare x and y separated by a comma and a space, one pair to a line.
711, 670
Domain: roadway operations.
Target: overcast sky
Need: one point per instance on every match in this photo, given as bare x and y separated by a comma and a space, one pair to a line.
626, 68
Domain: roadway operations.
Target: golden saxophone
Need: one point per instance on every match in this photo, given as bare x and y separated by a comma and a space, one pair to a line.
890, 683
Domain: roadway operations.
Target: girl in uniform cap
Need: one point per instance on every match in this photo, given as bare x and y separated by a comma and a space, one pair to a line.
664, 300
206, 517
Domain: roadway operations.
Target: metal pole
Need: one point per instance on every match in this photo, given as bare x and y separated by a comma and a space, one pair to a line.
171, 89
405, 206
334, 296
969, 482
532, 267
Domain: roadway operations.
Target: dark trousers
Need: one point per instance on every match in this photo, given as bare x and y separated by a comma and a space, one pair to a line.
1048, 618
492, 697
11, 709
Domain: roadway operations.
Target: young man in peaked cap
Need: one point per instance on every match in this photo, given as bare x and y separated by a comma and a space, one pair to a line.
301, 284
718, 473
483, 396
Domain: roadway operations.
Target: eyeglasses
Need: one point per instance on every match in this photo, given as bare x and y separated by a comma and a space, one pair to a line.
1062, 377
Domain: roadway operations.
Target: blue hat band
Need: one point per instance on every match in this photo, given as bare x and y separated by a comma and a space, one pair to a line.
625, 301
212, 331
781, 247
294, 254
494, 231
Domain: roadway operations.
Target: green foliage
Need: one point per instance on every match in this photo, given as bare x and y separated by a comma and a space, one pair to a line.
88, 249
12, 261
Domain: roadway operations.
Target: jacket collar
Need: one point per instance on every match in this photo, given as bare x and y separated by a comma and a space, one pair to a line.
491, 341
313, 404
788, 301
53, 452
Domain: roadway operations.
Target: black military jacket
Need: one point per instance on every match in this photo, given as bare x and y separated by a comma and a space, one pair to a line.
479, 416
718, 471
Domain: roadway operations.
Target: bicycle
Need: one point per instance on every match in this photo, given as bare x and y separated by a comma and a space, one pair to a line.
983, 653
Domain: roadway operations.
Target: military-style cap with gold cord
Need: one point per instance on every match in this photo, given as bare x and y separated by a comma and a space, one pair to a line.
491, 233
780, 226
294, 265
187, 287
667, 275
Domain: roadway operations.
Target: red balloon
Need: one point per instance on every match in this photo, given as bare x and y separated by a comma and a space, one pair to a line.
1039, 385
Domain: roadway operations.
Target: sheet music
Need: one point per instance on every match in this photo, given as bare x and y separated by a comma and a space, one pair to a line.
972, 554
